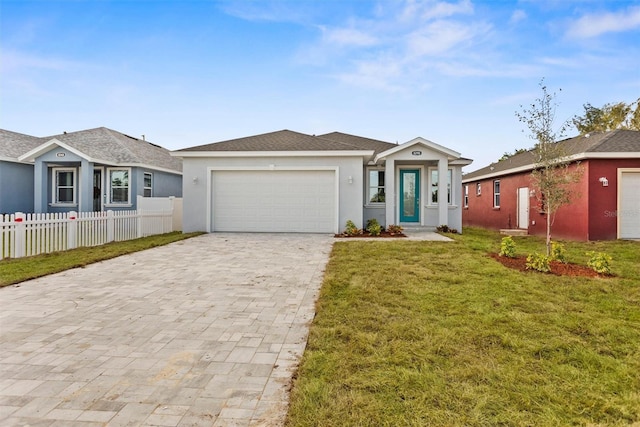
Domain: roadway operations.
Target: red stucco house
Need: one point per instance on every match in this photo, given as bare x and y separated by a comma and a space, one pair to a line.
606, 205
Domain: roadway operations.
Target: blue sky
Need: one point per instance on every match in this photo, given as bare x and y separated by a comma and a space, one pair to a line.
186, 73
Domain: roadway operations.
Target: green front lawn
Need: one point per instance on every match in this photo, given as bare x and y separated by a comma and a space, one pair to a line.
439, 334
20, 269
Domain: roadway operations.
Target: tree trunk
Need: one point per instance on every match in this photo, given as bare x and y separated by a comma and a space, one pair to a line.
548, 233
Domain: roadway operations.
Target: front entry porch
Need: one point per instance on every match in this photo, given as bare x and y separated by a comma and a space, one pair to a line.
421, 185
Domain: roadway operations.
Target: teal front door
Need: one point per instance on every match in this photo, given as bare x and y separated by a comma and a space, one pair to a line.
409, 195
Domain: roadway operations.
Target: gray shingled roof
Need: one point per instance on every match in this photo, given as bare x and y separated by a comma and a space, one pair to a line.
100, 144
359, 141
14, 145
286, 140
617, 141
107, 145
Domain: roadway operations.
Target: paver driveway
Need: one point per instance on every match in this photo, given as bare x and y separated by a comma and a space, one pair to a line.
203, 332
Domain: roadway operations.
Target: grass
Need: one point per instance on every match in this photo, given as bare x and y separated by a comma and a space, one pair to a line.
18, 270
439, 334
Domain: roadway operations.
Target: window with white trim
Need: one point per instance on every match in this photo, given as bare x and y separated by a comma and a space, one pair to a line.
148, 185
466, 196
433, 186
119, 189
64, 186
375, 184
496, 193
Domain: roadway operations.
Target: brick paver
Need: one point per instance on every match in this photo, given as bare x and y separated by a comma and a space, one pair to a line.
203, 332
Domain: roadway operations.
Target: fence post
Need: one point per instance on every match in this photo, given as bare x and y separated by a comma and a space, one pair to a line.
110, 226
139, 215
20, 236
72, 232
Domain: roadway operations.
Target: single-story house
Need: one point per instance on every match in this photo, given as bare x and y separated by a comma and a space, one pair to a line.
89, 170
288, 181
16, 177
606, 201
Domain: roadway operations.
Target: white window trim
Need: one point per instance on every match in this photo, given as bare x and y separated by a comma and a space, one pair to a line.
118, 204
368, 187
466, 196
496, 205
144, 182
450, 188
54, 187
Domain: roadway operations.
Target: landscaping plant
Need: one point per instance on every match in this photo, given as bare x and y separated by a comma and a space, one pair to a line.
444, 228
600, 262
507, 247
351, 229
373, 227
558, 252
553, 177
538, 262
394, 229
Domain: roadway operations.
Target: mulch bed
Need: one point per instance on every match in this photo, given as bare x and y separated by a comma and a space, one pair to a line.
557, 268
384, 234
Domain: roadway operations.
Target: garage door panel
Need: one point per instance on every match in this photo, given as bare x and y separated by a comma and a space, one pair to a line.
629, 213
280, 201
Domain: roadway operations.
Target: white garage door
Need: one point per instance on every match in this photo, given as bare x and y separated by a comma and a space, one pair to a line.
629, 213
274, 201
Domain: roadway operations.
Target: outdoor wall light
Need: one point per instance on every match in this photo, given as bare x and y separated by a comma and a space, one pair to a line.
604, 181
350, 179
195, 179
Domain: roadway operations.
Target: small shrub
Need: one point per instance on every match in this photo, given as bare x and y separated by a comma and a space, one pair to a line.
507, 247
395, 229
444, 228
538, 262
558, 252
351, 229
600, 262
373, 227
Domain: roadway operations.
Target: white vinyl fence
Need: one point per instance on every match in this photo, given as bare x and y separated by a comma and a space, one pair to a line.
32, 234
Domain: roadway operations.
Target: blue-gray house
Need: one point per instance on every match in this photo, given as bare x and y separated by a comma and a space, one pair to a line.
16, 177
90, 170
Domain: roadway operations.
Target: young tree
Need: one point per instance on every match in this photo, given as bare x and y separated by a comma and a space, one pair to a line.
609, 117
552, 176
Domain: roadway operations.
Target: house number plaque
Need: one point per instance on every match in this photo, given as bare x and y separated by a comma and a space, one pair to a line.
416, 153
59, 154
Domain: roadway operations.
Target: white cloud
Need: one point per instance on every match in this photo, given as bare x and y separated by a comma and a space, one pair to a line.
267, 10
593, 25
440, 37
379, 74
429, 9
348, 37
518, 16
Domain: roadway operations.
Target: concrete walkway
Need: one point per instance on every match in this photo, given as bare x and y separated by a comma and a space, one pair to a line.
204, 332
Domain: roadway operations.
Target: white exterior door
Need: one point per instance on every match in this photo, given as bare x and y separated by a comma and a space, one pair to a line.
274, 201
523, 207
629, 205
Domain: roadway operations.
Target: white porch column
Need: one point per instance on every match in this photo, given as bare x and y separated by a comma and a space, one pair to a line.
443, 205
390, 192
